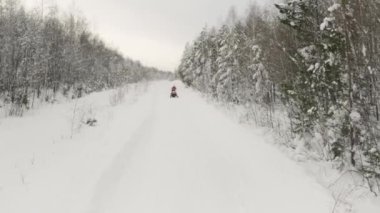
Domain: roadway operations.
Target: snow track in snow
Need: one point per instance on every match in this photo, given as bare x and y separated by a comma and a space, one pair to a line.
192, 158
110, 179
170, 156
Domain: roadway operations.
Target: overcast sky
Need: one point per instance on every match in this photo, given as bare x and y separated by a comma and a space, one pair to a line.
152, 31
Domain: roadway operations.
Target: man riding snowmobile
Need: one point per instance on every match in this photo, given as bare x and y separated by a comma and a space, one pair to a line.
174, 94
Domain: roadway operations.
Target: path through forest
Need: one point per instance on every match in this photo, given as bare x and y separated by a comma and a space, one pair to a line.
188, 157
151, 155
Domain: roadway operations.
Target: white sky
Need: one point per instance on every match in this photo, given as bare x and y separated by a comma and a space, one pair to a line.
152, 31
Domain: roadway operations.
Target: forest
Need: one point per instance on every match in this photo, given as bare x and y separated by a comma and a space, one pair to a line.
319, 61
44, 52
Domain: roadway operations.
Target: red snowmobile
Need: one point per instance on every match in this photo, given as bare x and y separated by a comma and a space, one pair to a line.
174, 94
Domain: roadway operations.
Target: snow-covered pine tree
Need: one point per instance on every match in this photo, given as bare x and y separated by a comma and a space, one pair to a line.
317, 81
362, 119
184, 71
323, 56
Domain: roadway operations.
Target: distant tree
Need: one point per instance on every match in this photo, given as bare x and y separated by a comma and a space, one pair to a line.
41, 56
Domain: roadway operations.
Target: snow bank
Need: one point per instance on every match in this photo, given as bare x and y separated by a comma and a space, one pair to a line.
368, 206
49, 157
349, 189
150, 153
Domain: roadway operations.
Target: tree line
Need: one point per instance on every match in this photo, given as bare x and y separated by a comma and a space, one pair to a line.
318, 59
45, 54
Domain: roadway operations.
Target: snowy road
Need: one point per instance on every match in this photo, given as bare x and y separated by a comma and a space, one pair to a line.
187, 157
162, 155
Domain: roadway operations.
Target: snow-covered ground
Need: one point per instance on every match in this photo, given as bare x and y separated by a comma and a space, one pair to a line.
148, 154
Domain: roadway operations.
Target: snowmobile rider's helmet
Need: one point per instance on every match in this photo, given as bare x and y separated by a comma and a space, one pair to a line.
174, 89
